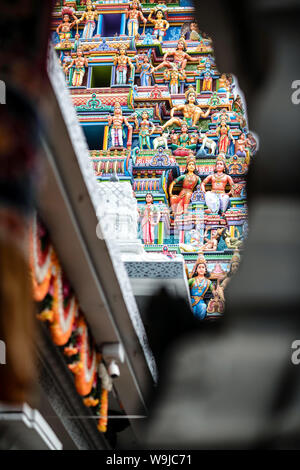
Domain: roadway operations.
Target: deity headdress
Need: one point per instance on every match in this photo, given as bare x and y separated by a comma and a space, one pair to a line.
236, 258
137, 2
221, 158
120, 46
190, 90
67, 11
201, 259
89, 3
182, 39
117, 105
191, 158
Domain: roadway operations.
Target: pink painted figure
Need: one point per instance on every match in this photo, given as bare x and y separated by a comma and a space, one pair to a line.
148, 222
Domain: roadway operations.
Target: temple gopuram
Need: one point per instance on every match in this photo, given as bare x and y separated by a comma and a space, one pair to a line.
146, 152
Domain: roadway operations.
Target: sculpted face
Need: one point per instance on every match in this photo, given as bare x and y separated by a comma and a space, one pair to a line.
159, 15
122, 50
191, 166
234, 267
66, 18
118, 110
220, 166
145, 115
201, 269
192, 98
149, 198
184, 128
134, 4
180, 45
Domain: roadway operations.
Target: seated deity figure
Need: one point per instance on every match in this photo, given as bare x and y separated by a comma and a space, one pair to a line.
183, 141
173, 77
190, 180
180, 57
191, 111
241, 146
122, 62
217, 199
79, 64
89, 16
146, 129
211, 244
200, 285
116, 124
160, 23
145, 70
134, 14
64, 29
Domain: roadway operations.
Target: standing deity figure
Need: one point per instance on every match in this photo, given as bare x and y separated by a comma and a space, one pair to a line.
145, 70
79, 64
224, 134
190, 180
150, 218
89, 16
65, 64
180, 57
173, 76
199, 287
122, 62
160, 23
217, 199
116, 124
134, 14
207, 78
146, 128
191, 111
64, 29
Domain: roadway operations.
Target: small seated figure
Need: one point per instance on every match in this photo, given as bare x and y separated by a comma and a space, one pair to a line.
64, 29
122, 63
146, 129
194, 245
160, 23
240, 146
134, 14
190, 180
212, 242
116, 124
233, 242
217, 199
79, 63
200, 285
183, 142
150, 218
191, 111
180, 57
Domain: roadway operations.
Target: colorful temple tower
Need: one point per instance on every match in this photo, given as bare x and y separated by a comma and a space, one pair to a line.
158, 115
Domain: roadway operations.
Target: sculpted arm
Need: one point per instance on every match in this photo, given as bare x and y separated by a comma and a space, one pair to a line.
205, 181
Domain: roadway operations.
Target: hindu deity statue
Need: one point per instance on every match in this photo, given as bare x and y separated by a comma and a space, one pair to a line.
190, 180
217, 199
150, 218
67, 59
65, 27
233, 241
241, 146
89, 16
179, 55
184, 140
224, 83
134, 14
191, 111
122, 63
200, 286
145, 70
211, 244
116, 124
224, 134
160, 23
79, 63
222, 284
146, 129
207, 77
173, 77
194, 32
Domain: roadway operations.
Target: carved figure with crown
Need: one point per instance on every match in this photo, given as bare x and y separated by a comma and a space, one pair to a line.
116, 124
160, 23
89, 16
217, 199
64, 29
134, 15
200, 287
180, 57
189, 180
122, 63
191, 111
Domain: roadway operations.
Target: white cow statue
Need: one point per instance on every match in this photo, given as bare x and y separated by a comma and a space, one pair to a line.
161, 141
209, 143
